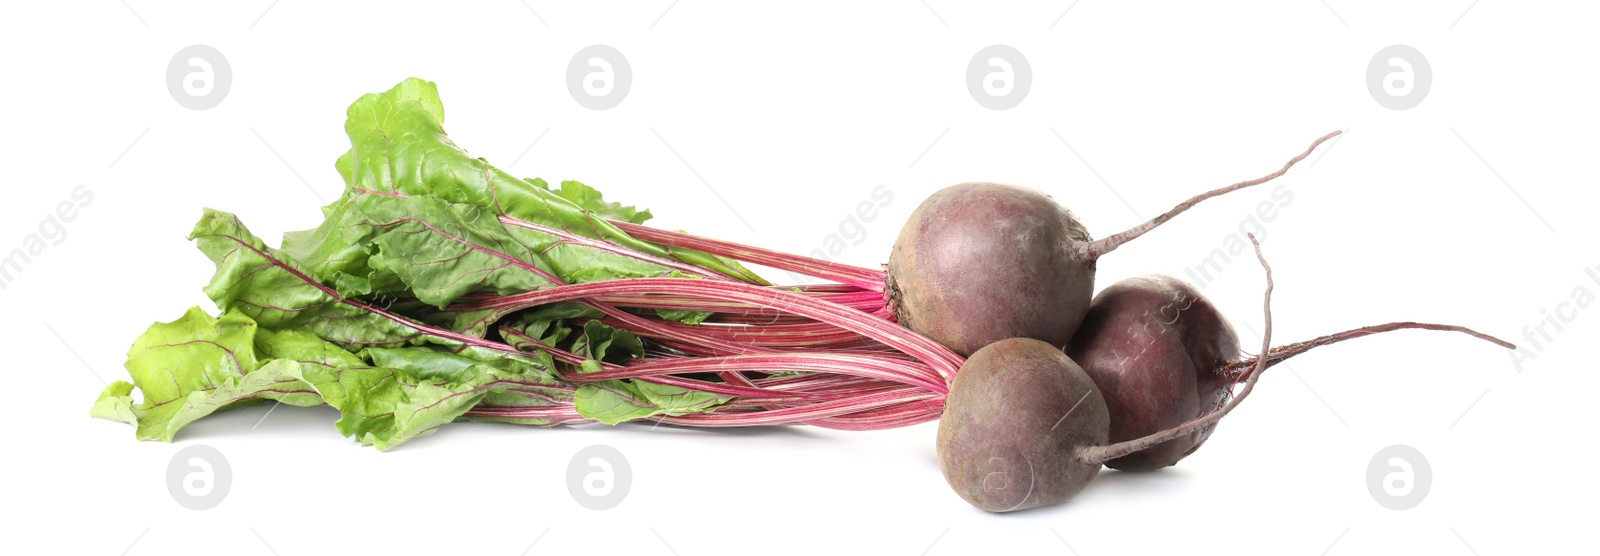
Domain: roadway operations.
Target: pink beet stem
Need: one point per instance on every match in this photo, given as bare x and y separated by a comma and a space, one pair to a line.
606, 246
943, 361
862, 365
818, 268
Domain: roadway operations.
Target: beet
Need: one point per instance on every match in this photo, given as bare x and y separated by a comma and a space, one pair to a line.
1162, 355
980, 262
1018, 414
1025, 426
1155, 347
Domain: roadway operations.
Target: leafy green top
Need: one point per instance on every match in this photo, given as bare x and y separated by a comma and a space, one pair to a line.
358, 313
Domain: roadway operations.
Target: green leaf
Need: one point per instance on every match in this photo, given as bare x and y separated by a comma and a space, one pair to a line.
413, 391
198, 365
271, 288
443, 251
303, 347
193, 367
604, 343
686, 317
474, 323
590, 199
365, 398
615, 401
398, 146
386, 407
549, 323
336, 252
432, 363
115, 403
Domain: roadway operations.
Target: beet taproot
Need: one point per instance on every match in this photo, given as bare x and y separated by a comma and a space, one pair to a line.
980, 262
1017, 417
1163, 355
1155, 346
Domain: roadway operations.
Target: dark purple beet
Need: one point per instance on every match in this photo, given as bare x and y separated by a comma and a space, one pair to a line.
980, 262
1156, 348
1026, 426
1166, 363
1018, 417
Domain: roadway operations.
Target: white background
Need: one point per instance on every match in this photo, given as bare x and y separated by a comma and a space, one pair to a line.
1475, 207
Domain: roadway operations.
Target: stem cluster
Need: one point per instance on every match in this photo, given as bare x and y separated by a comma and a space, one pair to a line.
829, 355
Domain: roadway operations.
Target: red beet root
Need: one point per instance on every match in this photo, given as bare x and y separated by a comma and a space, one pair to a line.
1025, 426
1018, 414
982, 262
1162, 355
1153, 344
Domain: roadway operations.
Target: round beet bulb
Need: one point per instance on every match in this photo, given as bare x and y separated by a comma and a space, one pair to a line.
1166, 363
1156, 348
1025, 426
1017, 419
981, 262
